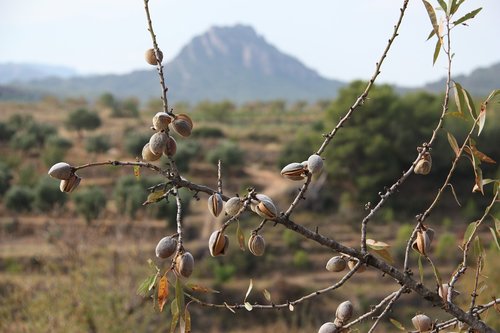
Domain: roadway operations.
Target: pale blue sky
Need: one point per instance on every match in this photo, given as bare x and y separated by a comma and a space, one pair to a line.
339, 39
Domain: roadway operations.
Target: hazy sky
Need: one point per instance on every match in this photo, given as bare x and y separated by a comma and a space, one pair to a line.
339, 39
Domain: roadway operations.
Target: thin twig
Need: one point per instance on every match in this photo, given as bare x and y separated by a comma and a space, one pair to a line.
300, 195
159, 65
283, 305
364, 95
476, 281
372, 311
387, 309
463, 265
219, 177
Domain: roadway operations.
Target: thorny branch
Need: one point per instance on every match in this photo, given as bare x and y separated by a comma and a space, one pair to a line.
387, 308
372, 311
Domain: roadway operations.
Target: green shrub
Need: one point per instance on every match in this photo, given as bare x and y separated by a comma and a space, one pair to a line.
48, 195
6, 132
134, 142
83, 119
301, 259
186, 151
291, 239
5, 177
90, 202
223, 272
208, 132
55, 150
447, 242
98, 144
229, 153
19, 199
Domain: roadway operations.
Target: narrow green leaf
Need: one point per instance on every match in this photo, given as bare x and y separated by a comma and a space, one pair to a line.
146, 285
459, 96
187, 321
478, 247
155, 196
241, 237
492, 95
432, 17
467, 16
443, 5
200, 288
495, 237
398, 325
175, 321
174, 310
453, 143
481, 122
179, 295
497, 223
437, 275
267, 295
248, 306
421, 268
456, 115
454, 194
471, 228
250, 286
436, 51
470, 104
432, 33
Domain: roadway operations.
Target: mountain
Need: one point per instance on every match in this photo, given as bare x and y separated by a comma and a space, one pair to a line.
223, 63
18, 72
479, 82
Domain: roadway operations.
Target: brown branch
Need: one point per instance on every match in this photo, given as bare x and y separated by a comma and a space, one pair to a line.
159, 66
364, 95
283, 305
387, 309
476, 280
463, 265
372, 311
219, 177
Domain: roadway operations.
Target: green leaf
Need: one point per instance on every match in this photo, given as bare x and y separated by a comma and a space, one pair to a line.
497, 223
481, 122
155, 196
436, 51
241, 237
453, 144
470, 103
179, 294
398, 325
495, 237
187, 321
492, 95
421, 268
250, 286
137, 172
436, 273
471, 228
478, 247
467, 16
175, 321
459, 96
443, 5
432, 17
174, 310
147, 285
432, 33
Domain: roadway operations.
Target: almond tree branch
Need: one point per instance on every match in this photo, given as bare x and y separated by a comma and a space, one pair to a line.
362, 98
373, 310
387, 309
425, 147
283, 305
463, 265
159, 65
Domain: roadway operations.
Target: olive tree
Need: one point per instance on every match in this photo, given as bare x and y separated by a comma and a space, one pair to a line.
437, 292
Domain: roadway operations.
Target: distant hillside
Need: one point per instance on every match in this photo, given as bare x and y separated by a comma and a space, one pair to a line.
479, 82
14, 72
223, 63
